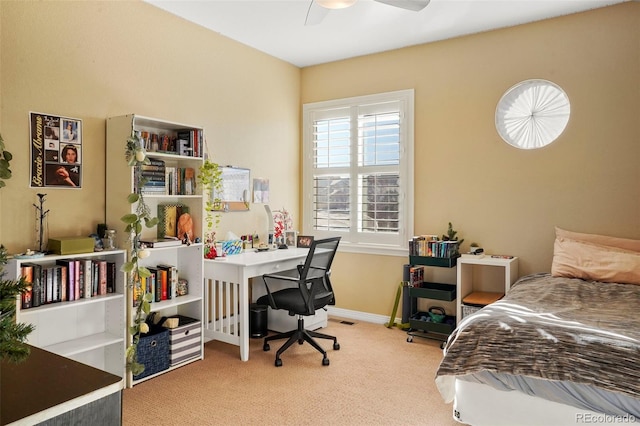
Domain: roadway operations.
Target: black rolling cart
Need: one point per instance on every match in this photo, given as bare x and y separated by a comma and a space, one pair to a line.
432, 323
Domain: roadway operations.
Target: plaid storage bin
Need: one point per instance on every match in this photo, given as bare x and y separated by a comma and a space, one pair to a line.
185, 340
153, 353
469, 309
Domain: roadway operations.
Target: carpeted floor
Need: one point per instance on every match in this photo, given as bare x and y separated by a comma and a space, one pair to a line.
376, 378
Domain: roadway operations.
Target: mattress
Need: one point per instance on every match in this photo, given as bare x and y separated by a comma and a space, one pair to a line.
481, 405
565, 340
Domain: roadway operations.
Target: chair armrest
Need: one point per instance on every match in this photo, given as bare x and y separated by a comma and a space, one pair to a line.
287, 275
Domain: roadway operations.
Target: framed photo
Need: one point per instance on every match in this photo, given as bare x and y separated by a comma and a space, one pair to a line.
290, 238
305, 241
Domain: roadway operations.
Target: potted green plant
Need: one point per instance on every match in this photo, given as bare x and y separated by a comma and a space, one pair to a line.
451, 235
5, 158
12, 334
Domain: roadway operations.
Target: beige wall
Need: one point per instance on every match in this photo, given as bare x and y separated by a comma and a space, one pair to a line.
507, 200
92, 60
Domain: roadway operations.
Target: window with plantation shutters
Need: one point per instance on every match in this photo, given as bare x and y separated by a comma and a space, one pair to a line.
358, 173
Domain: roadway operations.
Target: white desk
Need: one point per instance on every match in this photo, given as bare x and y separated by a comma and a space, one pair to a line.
227, 291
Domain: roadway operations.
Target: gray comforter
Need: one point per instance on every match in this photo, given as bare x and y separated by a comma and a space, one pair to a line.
559, 330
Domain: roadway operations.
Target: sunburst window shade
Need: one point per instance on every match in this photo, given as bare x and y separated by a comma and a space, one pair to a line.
532, 114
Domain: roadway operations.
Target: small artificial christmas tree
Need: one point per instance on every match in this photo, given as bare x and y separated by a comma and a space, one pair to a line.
12, 334
452, 236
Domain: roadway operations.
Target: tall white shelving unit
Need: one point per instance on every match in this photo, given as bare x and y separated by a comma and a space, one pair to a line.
187, 258
88, 330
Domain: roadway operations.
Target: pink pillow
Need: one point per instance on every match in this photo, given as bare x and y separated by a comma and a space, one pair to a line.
589, 261
603, 240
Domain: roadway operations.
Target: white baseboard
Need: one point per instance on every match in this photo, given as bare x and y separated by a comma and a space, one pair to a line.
361, 316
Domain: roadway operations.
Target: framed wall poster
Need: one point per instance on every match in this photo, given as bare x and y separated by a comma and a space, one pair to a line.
305, 241
56, 151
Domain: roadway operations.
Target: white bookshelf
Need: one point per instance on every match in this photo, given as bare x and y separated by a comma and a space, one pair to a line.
88, 330
187, 258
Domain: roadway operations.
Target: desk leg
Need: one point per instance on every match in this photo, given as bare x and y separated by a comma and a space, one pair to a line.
244, 318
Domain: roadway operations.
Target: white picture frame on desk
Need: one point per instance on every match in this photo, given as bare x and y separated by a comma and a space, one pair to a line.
290, 238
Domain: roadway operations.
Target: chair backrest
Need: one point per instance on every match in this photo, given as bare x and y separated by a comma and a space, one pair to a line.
313, 281
317, 268
320, 257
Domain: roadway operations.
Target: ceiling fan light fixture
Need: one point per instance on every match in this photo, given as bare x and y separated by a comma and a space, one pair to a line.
335, 4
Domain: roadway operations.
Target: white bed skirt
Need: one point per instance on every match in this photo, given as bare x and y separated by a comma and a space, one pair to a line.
478, 405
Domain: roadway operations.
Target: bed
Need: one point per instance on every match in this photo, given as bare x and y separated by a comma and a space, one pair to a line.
559, 348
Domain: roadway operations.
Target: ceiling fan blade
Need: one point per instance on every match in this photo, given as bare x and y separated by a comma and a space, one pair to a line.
414, 5
315, 14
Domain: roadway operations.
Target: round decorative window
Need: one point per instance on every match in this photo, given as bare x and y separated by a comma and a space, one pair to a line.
532, 114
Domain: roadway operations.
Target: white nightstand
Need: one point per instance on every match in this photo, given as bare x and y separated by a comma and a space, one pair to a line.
487, 275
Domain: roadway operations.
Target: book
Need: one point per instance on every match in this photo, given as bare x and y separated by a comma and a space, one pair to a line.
155, 282
27, 296
163, 275
36, 284
54, 279
160, 242
48, 287
168, 219
87, 277
151, 287
95, 278
188, 183
68, 282
102, 276
111, 277
76, 268
172, 279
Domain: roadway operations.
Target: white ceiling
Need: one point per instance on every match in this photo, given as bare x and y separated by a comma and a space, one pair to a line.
278, 27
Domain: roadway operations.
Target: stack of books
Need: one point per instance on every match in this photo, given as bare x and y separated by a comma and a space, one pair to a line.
154, 175
431, 246
416, 276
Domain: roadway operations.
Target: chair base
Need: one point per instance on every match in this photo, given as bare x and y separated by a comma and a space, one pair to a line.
300, 335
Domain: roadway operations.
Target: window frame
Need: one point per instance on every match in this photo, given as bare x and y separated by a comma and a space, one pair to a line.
366, 244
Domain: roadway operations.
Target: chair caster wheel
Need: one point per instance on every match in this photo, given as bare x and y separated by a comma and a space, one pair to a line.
442, 345
336, 346
409, 339
300, 341
278, 362
325, 361
266, 347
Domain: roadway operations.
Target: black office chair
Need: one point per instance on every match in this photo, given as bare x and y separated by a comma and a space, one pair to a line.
312, 291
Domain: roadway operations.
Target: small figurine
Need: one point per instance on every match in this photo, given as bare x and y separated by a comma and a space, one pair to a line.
185, 227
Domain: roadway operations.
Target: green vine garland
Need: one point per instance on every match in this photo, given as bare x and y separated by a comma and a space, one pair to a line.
136, 157
210, 177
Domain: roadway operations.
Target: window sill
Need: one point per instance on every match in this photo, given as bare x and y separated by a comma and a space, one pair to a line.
376, 249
